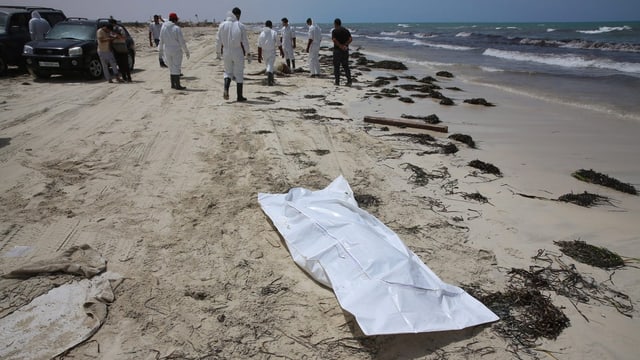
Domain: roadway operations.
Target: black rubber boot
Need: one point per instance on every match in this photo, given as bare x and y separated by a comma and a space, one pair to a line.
227, 84
162, 64
288, 63
293, 65
239, 92
177, 82
173, 81
270, 80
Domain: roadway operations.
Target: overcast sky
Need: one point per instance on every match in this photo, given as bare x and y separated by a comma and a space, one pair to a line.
353, 11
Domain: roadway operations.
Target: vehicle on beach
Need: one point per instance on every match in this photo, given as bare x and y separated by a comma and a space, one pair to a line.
14, 31
70, 47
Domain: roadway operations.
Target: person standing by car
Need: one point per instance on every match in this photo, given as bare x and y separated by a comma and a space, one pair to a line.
171, 47
154, 35
105, 54
120, 49
38, 27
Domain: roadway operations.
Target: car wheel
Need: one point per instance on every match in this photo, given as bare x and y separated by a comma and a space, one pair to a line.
3, 66
95, 68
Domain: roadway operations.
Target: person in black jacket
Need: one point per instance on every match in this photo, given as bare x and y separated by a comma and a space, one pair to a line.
341, 38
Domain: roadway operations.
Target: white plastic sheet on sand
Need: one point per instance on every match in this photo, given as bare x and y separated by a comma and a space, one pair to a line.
374, 275
56, 321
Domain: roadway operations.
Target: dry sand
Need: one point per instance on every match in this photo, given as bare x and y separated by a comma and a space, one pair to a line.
164, 184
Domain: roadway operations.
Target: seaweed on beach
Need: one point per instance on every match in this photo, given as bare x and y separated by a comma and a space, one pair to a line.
585, 199
448, 148
485, 167
590, 254
526, 315
476, 196
466, 139
594, 177
422, 139
479, 101
429, 119
421, 178
366, 200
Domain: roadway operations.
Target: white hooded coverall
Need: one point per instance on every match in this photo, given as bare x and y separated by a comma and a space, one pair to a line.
287, 42
233, 43
315, 34
268, 41
38, 27
172, 46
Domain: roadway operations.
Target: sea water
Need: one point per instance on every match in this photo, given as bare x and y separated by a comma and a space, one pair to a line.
592, 65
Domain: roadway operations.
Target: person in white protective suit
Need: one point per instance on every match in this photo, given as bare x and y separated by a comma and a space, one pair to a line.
232, 43
313, 48
171, 48
38, 27
267, 45
288, 40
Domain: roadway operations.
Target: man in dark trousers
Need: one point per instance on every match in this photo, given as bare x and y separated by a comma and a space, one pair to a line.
341, 39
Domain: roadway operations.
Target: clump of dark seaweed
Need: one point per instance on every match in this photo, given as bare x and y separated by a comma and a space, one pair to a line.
476, 196
366, 200
479, 101
422, 139
585, 199
525, 315
429, 119
485, 167
466, 139
421, 177
590, 254
594, 177
449, 148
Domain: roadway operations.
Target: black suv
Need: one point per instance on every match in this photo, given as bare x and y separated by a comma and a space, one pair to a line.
14, 31
70, 47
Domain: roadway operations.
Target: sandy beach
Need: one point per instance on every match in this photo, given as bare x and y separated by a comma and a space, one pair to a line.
163, 184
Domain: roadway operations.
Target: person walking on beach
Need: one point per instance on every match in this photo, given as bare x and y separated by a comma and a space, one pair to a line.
120, 50
38, 27
288, 41
267, 44
107, 60
154, 35
232, 43
313, 47
172, 46
341, 38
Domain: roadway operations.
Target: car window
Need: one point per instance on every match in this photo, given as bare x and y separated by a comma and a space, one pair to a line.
19, 22
53, 17
73, 31
3, 23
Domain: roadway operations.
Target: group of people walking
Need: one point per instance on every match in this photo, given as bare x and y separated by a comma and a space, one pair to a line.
232, 47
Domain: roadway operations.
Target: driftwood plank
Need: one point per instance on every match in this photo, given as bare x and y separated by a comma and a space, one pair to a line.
406, 123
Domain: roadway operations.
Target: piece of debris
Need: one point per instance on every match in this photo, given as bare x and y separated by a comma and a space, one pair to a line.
406, 123
594, 177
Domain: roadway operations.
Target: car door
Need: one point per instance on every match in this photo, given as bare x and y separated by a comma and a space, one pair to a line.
18, 36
